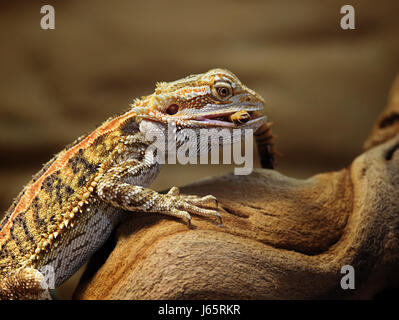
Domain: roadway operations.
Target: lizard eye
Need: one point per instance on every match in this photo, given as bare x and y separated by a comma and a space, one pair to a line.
223, 90
172, 109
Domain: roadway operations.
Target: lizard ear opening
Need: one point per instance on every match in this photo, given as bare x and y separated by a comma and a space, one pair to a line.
172, 109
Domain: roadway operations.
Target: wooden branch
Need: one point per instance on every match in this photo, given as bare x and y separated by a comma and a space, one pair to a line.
282, 238
387, 124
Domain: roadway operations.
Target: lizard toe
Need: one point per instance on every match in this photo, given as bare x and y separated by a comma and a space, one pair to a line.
198, 209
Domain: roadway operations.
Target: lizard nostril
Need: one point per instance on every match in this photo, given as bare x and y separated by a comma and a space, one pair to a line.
172, 109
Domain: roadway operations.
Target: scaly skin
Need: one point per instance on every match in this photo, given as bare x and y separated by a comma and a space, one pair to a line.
68, 210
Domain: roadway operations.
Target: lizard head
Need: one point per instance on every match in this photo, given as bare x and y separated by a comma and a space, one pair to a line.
205, 100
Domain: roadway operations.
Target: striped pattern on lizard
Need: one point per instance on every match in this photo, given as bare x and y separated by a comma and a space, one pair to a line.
69, 208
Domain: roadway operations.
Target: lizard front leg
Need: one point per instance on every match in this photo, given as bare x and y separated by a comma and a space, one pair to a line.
113, 188
24, 284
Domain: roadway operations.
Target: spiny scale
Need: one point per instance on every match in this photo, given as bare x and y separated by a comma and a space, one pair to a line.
49, 203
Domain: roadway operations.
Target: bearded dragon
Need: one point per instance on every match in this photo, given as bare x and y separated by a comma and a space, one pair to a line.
69, 209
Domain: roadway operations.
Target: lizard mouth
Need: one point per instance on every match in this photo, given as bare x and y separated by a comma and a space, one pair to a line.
232, 119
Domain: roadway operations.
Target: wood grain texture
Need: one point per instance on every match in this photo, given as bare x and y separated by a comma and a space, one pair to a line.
282, 238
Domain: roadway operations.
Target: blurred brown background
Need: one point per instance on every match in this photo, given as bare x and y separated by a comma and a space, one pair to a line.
324, 86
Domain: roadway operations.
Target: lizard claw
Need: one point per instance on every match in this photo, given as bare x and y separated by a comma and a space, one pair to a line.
181, 206
174, 191
203, 206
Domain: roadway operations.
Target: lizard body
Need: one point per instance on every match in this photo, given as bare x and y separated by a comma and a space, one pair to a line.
69, 208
